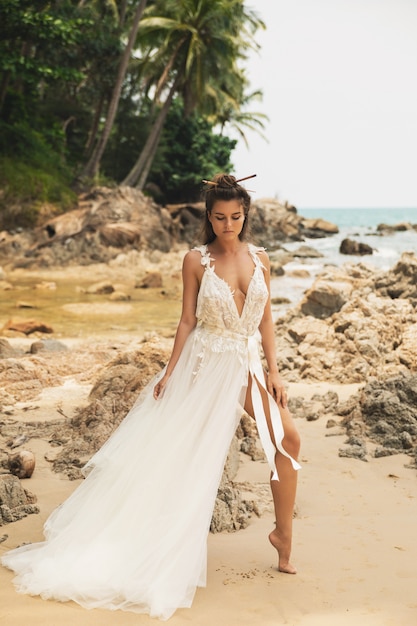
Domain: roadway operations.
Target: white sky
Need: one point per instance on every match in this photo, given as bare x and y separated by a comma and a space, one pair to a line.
340, 88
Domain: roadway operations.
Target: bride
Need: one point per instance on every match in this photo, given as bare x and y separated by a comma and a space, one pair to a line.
133, 537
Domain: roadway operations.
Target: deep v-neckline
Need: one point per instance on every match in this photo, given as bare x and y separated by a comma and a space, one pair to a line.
227, 285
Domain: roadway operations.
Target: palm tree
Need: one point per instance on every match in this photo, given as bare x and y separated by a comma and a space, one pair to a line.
234, 114
92, 166
193, 47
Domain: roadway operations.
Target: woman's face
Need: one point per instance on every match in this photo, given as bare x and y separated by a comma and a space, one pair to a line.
227, 218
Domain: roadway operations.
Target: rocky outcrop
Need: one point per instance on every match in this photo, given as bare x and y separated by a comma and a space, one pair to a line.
384, 411
108, 222
352, 324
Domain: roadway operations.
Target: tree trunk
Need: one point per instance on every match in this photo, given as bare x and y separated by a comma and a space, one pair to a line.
147, 167
4, 87
94, 127
92, 166
136, 171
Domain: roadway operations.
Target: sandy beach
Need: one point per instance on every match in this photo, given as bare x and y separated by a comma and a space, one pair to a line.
354, 546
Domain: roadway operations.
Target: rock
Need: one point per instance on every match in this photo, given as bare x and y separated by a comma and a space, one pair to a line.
325, 298
381, 452
45, 286
280, 300
407, 350
354, 452
230, 512
27, 326
317, 227
103, 287
348, 246
120, 234
307, 252
389, 228
5, 286
152, 280
47, 345
387, 408
7, 351
363, 329
299, 273
15, 442
119, 296
25, 305
401, 281
22, 464
251, 446
15, 502
110, 399
105, 222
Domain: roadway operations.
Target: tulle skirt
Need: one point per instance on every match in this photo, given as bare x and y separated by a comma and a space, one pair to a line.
133, 535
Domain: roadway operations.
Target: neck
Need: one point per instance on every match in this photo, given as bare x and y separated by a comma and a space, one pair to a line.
227, 247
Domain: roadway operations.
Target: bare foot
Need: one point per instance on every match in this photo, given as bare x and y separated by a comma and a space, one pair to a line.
283, 550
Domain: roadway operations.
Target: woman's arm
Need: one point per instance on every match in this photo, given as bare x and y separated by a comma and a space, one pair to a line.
191, 270
274, 382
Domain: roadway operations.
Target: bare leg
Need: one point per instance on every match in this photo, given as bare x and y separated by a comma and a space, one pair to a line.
284, 490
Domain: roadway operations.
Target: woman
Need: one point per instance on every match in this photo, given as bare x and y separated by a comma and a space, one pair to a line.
134, 538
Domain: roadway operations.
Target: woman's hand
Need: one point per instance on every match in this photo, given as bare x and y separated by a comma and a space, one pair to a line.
159, 388
275, 386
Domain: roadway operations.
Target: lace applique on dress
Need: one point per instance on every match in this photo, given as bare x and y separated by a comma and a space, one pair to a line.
220, 327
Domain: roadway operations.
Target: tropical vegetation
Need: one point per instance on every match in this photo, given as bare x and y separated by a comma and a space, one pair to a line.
139, 92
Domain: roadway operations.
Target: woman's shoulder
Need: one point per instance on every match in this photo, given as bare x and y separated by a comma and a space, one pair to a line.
260, 253
195, 257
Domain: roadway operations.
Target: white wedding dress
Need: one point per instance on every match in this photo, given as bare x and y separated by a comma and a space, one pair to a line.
133, 535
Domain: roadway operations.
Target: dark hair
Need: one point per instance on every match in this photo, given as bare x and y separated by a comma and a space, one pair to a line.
224, 187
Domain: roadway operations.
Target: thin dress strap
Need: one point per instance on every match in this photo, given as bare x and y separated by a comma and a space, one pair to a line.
205, 255
254, 252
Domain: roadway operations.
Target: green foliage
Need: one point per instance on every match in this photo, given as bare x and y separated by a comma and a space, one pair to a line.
189, 151
58, 64
32, 175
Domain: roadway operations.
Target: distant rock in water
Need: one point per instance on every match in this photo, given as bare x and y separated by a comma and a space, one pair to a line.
349, 246
392, 228
317, 227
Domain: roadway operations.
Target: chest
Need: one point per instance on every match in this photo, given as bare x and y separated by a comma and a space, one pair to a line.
237, 273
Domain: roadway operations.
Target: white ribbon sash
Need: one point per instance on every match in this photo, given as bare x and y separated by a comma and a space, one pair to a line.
257, 377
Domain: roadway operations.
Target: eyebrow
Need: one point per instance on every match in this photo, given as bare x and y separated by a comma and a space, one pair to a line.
235, 213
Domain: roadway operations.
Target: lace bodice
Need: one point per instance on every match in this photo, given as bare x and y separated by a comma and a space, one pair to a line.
216, 307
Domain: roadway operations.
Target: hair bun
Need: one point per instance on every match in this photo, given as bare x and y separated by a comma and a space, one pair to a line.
225, 180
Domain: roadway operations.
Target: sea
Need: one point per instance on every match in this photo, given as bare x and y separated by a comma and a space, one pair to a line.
357, 224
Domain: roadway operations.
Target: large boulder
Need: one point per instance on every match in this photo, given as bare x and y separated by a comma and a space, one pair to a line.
350, 246
387, 408
325, 298
15, 501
